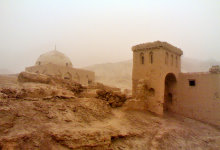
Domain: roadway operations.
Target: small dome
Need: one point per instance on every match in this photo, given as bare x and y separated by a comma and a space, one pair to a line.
54, 57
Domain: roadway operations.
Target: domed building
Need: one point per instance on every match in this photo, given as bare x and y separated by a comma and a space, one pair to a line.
57, 64
54, 57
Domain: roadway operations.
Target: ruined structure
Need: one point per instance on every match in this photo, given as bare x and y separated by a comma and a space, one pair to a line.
56, 63
157, 71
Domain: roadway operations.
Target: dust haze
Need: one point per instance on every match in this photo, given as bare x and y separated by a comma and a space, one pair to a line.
109, 75
96, 32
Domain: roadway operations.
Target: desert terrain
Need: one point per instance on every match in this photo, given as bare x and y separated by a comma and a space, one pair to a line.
109, 75
41, 112
106, 73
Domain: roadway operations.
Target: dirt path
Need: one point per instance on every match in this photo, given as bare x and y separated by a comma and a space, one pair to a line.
146, 131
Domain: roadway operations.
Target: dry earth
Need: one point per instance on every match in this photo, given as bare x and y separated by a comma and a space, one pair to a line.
62, 122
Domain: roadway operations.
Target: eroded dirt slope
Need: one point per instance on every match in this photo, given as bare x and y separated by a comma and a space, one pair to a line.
88, 123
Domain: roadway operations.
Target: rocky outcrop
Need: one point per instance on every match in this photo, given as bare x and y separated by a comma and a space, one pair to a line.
75, 87
97, 85
88, 123
34, 92
97, 139
59, 123
38, 116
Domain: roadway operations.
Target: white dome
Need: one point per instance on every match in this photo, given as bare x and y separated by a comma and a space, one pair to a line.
54, 57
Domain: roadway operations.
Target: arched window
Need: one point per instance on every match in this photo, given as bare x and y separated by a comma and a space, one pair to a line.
151, 92
176, 61
166, 58
142, 58
67, 76
66, 64
151, 57
39, 63
171, 60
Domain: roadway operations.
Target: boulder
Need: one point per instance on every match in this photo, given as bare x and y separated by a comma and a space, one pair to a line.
25, 77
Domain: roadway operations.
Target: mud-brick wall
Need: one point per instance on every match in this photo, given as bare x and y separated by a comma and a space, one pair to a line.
202, 101
155, 73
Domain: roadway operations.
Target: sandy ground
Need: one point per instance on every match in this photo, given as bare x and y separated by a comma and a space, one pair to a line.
90, 123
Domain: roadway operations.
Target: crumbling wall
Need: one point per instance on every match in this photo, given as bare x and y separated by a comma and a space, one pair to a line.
35, 85
32, 85
52, 80
81, 76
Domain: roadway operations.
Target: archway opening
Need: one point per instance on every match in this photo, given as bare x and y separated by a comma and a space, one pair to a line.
151, 92
89, 80
68, 76
170, 90
142, 58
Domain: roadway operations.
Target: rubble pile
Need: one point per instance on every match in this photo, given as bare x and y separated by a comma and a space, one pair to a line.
52, 80
57, 124
97, 85
114, 99
35, 92
32, 85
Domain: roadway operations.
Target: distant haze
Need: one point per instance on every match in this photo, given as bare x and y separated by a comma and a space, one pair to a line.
120, 74
99, 31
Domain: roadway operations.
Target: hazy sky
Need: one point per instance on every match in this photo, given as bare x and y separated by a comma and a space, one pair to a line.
98, 31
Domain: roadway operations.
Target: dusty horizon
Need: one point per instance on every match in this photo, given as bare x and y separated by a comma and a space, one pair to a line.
104, 32
110, 74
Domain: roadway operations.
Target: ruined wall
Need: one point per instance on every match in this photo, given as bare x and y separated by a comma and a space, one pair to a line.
154, 73
202, 101
79, 75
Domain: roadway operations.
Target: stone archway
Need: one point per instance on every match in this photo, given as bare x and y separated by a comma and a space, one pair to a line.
169, 92
67, 76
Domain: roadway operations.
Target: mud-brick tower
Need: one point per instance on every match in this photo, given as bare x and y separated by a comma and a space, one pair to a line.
159, 64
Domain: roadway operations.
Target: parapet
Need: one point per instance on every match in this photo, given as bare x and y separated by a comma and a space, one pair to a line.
157, 44
214, 69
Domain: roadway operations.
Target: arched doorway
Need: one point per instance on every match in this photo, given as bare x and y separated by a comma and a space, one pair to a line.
67, 76
89, 80
170, 91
